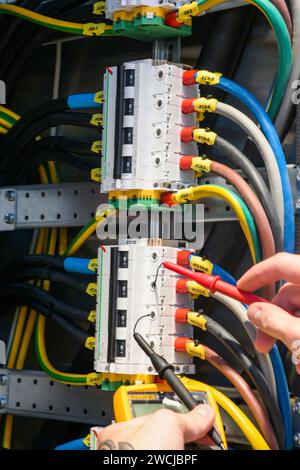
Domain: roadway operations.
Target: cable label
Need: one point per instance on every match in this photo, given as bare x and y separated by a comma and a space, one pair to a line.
87, 440
196, 319
204, 77
96, 174
200, 264
97, 119
195, 289
204, 136
90, 343
97, 146
92, 289
196, 350
94, 29
99, 97
92, 316
93, 379
99, 8
201, 165
186, 11
93, 264
203, 105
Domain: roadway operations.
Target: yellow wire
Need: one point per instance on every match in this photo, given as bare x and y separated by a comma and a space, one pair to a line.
30, 15
241, 420
83, 238
201, 192
5, 123
4, 109
63, 241
3, 131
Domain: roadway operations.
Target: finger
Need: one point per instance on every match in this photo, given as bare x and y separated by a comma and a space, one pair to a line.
288, 298
197, 423
263, 342
275, 322
119, 428
282, 266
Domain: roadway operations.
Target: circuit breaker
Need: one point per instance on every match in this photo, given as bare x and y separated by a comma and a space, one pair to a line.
132, 284
142, 121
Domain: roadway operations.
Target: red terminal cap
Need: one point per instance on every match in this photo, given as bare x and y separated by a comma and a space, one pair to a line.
171, 20
187, 134
180, 343
181, 315
186, 162
187, 106
183, 257
167, 198
188, 77
181, 286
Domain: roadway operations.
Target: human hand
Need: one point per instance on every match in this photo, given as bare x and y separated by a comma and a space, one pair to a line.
279, 321
162, 430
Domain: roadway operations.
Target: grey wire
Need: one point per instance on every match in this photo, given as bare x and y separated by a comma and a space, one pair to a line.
287, 103
265, 150
264, 360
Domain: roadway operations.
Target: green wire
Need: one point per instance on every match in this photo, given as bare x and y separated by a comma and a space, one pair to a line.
82, 231
9, 119
285, 51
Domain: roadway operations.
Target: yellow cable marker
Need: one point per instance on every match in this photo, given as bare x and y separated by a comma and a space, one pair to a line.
195, 350
201, 165
90, 343
99, 97
203, 105
196, 319
87, 440
204, 136
92, 289
97, 119
204, 77
99, 8
196, 289
201, 264
186, 11
93, 379
92, 316
96, 174
97, 146
93, 264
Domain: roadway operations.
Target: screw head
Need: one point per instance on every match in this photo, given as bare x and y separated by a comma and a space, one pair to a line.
9, 218
10, 195
3, 403
3, 379
298, 204
297, 438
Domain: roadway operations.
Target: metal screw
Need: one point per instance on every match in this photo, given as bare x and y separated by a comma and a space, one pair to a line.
298, 204
3, 403
3, 379
297, 438
10, 196
9, 218
296, 407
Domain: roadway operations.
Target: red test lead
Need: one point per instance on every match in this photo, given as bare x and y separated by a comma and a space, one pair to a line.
215, 284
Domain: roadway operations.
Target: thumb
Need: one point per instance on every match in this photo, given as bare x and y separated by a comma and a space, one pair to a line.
197, 423
275, 322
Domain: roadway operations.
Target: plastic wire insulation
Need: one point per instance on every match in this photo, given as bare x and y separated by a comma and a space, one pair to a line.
271, 135
266, 152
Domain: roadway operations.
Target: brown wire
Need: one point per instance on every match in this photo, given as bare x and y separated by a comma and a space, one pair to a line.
246, 393
257, 210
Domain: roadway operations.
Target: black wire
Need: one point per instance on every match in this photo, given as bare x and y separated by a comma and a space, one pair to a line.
154, 283
141, 318
52, 275
254, 373
20, 174
68, 118
29, 292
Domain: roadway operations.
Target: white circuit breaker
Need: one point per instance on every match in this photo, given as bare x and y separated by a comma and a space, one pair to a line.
142, 121
126, 292
112, 6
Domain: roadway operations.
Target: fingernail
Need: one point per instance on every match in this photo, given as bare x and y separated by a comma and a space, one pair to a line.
255, 313
95, 431
204, 410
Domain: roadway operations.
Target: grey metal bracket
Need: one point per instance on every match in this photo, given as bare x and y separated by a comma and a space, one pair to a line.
167, 49
61, 205
35, 394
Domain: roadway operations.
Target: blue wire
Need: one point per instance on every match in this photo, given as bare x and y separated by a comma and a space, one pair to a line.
269, 131
224, 275
82, 101
283, 397
73, 445
78, 265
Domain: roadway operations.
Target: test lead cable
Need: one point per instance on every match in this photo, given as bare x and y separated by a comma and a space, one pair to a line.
166, 372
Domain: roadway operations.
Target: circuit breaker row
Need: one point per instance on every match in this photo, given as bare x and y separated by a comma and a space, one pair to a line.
143, 120
133, 284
